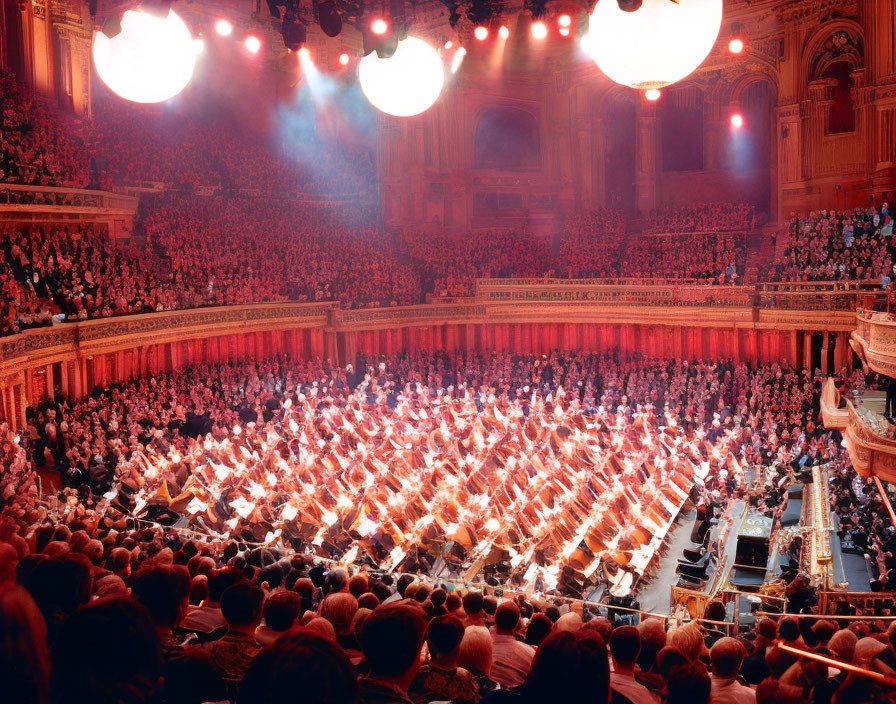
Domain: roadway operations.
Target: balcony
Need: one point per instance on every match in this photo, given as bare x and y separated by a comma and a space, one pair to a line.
874, 340
870, 439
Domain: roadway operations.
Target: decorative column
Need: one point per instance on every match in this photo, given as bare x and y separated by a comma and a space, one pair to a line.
646, 161
23, 404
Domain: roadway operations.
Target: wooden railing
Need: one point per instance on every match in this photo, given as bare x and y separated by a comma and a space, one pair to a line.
875, 340
41, 199
803, 296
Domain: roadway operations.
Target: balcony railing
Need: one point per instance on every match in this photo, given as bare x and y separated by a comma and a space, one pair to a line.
874, 339
871, 444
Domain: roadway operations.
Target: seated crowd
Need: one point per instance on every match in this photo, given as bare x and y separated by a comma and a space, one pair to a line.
106, 614
38, 144
720, 216
713, 259
589, 245
213, 251
118, 610
828, 245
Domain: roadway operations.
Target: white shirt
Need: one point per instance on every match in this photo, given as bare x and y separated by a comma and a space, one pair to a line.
631, 689
730, 691
512, 660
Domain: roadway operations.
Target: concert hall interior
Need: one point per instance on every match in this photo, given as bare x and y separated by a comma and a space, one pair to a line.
413, 351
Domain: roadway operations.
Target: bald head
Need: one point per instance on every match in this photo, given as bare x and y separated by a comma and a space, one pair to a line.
727, 655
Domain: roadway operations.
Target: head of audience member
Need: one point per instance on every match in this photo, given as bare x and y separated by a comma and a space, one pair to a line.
726, 656
507, 618
453, 603
625, 644
476, 652
391, 640
301, 664
339, 609
688, 639
669, 658
322, 627
653, 638
24, 659
570, 621
164, 591
443, 638
107, 651
569, 667
282, 611
473, 603
8, 560
842, 645
192, 678
358, 585
241, 606
538, 628
688, 684
59, 586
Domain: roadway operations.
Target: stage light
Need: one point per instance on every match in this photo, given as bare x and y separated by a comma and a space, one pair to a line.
344, 59
150, 60
405, 84
224, 28
564, 20
564, 31
449, 44
252, 44
735, 46
379, 27
481, 33
198, 46
503, 32
737, 121
458, 59
656, 45
539, 30
294, 33
329, 18
112, 26
652, 94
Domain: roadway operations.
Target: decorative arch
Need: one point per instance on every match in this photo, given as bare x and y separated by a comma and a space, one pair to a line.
617, 111
681, 112
835, 41
745, 82
507, 137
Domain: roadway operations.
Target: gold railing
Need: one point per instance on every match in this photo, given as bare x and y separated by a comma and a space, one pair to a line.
871, 447
47, 199
875, 340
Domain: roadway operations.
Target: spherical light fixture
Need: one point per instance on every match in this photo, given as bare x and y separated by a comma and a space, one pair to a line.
224, 28
564, 20
379, 27
481, 33
735, 46
656, 45
151, 60
252, 44
449, 44
652, 94
737, 121
344, 59
539, 30
564, 31
405, 84
503, 32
